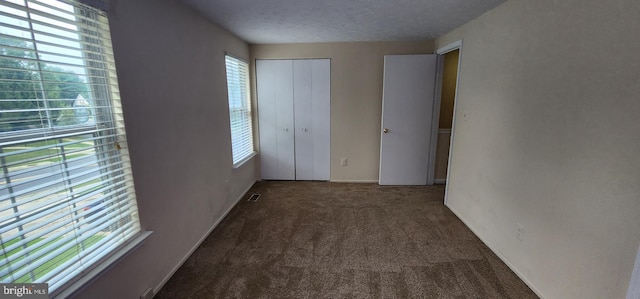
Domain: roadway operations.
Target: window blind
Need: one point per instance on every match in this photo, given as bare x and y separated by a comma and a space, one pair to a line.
239, 109
67, 198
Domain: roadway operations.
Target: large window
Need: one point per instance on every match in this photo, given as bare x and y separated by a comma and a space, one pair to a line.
239, 109
66, 197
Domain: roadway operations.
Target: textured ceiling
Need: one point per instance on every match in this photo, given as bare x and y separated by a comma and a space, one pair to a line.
296, 21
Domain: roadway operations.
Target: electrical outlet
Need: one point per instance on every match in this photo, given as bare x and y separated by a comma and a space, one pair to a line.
343, 162
520, 232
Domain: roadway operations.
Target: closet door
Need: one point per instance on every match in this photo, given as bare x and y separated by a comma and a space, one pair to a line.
275, 118
311, 93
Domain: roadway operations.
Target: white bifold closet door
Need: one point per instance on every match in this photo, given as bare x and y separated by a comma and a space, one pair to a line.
294, 118
311, 101
275, 118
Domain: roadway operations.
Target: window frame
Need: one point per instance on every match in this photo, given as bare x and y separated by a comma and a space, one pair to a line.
108, 133
244, 91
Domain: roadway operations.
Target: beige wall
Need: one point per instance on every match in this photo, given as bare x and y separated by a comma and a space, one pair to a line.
546, 138
356, 98
172, 78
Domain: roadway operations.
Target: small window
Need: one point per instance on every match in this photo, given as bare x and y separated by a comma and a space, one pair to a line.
67, 199
239, 110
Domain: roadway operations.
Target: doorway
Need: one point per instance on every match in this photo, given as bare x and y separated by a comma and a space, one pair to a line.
447, 99
444, 113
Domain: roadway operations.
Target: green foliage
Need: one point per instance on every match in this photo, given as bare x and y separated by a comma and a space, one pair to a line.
24, 79
42, 244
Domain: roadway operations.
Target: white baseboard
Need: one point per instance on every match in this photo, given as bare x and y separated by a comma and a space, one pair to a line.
193, 249
500, 256
354, 181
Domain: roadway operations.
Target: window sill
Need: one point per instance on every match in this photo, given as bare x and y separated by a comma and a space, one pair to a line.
102, 267
243, 161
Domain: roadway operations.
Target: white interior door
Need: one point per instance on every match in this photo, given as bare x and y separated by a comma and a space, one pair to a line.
275, 118
407, 110
312, 119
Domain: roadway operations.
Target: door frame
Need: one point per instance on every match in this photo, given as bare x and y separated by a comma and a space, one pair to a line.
457, 45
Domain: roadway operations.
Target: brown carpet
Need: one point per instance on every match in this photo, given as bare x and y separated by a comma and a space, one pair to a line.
330, 240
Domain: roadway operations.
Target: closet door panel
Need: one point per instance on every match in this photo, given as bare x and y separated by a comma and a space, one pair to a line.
303, 106
284, 120
275, 117
266, 97
312, 118
321, 118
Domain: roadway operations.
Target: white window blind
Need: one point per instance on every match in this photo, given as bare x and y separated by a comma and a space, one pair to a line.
67, 197
239, 109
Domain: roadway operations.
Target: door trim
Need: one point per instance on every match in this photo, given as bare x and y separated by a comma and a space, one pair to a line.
457, 45
450, 47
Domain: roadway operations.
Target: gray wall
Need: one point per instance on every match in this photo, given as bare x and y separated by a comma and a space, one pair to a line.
172, 79
547, 138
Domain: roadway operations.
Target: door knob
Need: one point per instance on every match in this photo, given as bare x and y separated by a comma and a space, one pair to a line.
385, 130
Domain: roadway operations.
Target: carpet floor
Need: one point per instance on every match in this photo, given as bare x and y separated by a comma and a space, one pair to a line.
331, 240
